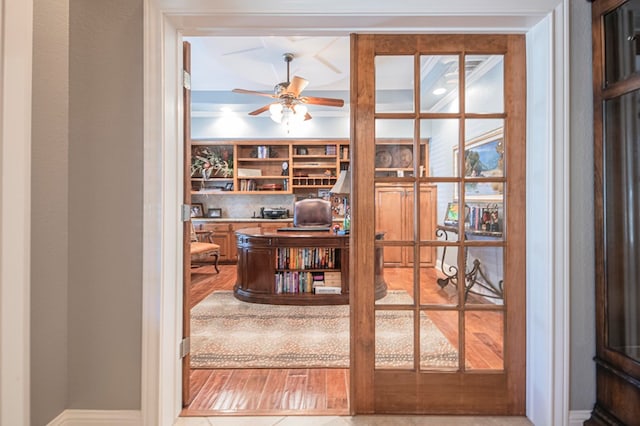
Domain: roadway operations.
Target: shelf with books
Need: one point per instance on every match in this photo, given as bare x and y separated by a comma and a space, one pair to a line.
315, 165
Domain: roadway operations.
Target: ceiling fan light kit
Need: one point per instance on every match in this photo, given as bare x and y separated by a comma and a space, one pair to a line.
289, 105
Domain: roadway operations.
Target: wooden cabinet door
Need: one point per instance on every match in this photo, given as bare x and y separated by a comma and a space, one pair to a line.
390, 214
220, 235
222, 239
427, 223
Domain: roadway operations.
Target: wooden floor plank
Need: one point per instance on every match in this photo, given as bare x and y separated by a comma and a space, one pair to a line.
254, 389
198, 378
316, 392
294, 390
337, 388
274, 390
211, 391
234, 392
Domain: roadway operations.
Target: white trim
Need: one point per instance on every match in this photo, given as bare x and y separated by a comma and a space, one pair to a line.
152, 313
161, 315
97, 418
548, 222
578, 417
561, 217
162, 277
16, 44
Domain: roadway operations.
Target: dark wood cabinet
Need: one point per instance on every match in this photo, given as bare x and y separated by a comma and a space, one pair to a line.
259, 266
262, 269
616, 73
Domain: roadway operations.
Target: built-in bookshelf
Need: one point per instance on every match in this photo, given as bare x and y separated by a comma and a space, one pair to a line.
297, 166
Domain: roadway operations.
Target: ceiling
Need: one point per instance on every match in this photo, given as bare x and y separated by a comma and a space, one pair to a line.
220, 64
257, 63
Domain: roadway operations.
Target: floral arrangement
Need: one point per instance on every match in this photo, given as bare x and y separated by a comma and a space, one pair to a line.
208, 161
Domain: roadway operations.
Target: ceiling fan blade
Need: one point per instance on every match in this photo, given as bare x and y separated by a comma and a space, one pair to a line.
322, 101
260, 110
297, 85
252, 92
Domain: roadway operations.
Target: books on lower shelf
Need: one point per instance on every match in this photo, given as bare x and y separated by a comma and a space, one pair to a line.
318, 282
328, 290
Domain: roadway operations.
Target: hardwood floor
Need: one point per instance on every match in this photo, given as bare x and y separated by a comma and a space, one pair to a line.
269, 391
323, 391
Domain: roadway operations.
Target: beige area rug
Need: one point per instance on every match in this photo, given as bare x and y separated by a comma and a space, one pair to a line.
229, 333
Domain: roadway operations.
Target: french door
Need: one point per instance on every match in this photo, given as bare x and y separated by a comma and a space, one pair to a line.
438, 183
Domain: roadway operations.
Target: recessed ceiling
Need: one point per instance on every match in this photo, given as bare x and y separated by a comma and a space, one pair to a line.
257, 63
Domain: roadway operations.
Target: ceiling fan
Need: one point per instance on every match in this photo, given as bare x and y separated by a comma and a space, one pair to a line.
288, 99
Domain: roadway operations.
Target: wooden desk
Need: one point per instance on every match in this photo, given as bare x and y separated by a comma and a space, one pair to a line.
260, 262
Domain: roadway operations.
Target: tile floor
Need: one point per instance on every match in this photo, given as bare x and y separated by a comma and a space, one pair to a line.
379, 420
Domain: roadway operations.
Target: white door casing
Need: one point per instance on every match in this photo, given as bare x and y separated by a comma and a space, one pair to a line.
162, 301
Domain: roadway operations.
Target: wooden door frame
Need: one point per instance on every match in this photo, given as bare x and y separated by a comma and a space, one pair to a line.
186, 226
161, 302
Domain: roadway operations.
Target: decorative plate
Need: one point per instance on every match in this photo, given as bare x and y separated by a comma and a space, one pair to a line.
402, 158
383, 159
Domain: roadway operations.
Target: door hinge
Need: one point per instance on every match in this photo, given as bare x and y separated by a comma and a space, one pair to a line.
185, 212
186, 80
185, 347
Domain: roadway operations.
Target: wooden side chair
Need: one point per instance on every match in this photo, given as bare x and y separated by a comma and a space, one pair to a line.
203, 249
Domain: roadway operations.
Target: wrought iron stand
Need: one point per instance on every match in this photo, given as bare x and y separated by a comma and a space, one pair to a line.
475, 277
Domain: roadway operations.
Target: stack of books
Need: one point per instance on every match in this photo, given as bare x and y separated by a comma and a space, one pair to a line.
332, 283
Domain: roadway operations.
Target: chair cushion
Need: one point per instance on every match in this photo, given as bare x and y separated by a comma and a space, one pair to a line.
200, 248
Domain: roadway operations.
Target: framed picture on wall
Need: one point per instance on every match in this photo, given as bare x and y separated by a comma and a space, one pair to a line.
197, 210
483, 158
451, 215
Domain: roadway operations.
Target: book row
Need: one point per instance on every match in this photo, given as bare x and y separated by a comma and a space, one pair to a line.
307, 258
307, 282
484, 219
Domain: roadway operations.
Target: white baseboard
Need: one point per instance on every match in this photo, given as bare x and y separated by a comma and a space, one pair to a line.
98, 418
577, 418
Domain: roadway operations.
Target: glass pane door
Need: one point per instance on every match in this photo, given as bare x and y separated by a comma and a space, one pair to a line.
444, 150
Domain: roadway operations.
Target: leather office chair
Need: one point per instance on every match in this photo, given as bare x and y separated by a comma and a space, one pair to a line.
203, 249
312, 212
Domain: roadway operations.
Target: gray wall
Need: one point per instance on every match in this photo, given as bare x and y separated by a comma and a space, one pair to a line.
49, 206
105, 203
582, 240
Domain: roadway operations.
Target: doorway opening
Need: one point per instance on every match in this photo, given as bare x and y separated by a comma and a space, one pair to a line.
295, 362
400, 159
